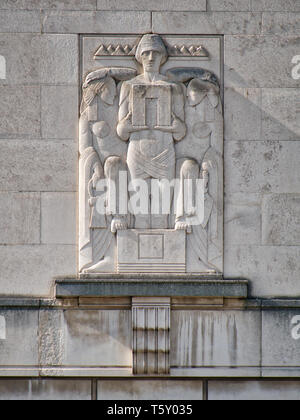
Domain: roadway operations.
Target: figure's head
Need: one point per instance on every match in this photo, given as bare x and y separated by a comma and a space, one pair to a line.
151, 52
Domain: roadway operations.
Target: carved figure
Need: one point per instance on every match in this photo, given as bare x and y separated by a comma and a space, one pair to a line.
164, 126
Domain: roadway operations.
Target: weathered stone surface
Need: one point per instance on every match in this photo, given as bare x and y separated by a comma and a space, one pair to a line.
279, 348
19, 218
20, 346
59, 59
28, 270
229, 5
281, 219
96, 22
280, 114
58, 214
48, 389
229, 23
272, 271
135, 389
276, 5
22, 54
281, 23
55, 123
244, 66
20, 21
195, 5
253, 390
242, 219
97, 338
37, 165
242, 114
49, 4
207, 338
20, 111
253, 167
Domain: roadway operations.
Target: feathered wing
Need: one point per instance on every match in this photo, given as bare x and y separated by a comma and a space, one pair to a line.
204, 145
98, 140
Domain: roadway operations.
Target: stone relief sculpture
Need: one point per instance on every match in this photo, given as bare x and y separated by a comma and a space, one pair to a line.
142, 128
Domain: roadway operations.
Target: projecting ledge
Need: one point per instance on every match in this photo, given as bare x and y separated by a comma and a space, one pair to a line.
150, 285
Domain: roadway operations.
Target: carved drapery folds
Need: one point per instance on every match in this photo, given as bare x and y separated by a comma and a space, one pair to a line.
143, 126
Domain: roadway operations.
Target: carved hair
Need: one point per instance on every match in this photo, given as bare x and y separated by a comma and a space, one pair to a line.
151, 42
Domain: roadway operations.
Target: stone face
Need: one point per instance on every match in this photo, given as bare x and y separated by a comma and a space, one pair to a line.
49, 389
280, 114
272, 271
242, 109
229, 5
20, 111
281, 219
255, 167
55, 123
253, 390
281, 23
244, 66
242, 219
97, 338
22, 53
20, 21
18, 277
58, 211
20, 347
134, 389
19, 218
96, 22
229, 23
196, 5
279, 348
27, 165
207, 338
276, 5
59, 59
49, 4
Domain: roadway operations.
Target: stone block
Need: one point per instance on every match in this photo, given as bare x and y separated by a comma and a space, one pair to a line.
279, 347
28, 270
59, 112
19, 344
48, 4
20, 21
59, 59
229, 23
150, 389
58, 214
229, 5
281, 23
20, 111
191, 5
280, 114
272, 271
242, 108
22, 54
275, 5
19, 218
262, 167
213, 338
253, 390
242, 219
281, 219
47, 389
38, 165
244, 66
96, 22
97, 338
